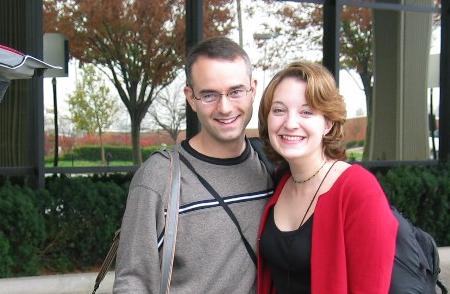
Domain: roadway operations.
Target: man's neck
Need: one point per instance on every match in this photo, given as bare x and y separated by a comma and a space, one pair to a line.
217, 149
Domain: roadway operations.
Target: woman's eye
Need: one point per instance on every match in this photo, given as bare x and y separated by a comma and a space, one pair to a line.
277, 110
306, 113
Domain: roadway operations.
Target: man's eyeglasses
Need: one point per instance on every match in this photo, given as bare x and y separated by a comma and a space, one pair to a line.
214, 97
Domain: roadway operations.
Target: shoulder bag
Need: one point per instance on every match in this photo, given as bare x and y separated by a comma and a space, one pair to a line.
169, 235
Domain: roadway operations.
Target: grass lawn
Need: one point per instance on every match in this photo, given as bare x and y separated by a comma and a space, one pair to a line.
354, 154
69, 163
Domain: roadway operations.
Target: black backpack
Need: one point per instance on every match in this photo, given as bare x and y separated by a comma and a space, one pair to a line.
416, 263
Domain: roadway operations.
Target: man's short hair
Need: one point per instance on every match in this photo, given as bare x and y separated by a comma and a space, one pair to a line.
215, 48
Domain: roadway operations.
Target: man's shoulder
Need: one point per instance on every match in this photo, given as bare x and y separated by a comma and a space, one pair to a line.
155, 168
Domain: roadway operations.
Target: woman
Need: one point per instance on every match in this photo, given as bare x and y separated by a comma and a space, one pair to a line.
328, 228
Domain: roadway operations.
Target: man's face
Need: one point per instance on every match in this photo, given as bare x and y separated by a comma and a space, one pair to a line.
223, 121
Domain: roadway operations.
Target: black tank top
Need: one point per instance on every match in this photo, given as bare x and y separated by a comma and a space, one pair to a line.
288, 255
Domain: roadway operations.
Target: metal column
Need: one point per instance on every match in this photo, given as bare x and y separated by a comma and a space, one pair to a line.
194, 34
444, 100
331, 28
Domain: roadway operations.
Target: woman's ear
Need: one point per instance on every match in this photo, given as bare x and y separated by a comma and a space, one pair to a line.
328, 126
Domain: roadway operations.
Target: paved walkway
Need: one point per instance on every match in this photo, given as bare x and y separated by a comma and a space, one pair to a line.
444, 256
84, 282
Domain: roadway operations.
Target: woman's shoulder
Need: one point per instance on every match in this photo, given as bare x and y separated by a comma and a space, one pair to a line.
353, 173
352, 178
336, 171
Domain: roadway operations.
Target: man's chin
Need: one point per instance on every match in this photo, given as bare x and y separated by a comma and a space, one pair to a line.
231, 137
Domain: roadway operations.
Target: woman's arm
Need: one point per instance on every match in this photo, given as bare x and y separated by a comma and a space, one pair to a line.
370, 231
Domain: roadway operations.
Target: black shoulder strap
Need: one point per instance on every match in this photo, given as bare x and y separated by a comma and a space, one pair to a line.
276, 172
216, 195
258, 146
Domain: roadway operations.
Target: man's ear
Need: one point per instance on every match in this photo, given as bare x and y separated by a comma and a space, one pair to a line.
189, 94
253, 84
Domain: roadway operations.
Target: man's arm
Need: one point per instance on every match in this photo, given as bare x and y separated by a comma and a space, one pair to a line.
137, 263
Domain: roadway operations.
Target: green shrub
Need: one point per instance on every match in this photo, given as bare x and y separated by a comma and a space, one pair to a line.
6, 260
422, 194
121, 179
22, 231
81, 217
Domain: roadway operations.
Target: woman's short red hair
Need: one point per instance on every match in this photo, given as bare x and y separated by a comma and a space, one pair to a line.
321, 94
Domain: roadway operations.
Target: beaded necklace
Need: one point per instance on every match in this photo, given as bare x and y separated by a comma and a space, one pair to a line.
304, 181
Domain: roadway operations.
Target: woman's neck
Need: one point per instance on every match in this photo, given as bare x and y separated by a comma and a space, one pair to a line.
305, 169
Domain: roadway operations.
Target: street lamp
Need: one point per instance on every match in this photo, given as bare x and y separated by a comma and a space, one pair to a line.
56, 51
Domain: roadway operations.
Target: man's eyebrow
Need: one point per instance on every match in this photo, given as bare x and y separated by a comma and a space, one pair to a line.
229, 89
208, 91
236, 87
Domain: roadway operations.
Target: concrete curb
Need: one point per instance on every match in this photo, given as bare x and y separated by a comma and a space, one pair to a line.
444, 257
83, 283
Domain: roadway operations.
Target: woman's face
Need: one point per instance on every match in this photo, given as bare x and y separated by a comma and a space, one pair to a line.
295, 129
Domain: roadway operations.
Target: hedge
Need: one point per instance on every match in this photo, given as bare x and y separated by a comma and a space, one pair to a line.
81, 218
69, 225
118, 153
22, 231
423, 195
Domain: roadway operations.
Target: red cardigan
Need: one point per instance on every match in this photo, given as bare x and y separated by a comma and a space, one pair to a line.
353, 237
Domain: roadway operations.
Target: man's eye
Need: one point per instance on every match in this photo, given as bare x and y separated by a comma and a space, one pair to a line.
209, 96
236, 93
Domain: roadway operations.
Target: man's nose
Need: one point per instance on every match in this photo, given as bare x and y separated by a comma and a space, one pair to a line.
224, 104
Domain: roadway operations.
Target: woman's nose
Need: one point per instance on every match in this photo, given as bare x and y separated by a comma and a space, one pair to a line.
292, 120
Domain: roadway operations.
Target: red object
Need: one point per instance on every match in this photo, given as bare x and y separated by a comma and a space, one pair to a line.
353, 239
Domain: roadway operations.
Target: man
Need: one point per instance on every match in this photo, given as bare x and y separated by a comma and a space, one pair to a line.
210, 255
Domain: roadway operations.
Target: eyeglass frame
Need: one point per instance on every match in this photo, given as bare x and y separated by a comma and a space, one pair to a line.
219, 94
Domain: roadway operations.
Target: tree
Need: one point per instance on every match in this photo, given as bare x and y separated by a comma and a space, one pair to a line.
139, 44
92, 109
286, 33
169, 111
298, 29
357, 54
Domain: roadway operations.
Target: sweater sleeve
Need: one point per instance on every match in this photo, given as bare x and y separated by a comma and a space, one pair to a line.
370, 231
137, 262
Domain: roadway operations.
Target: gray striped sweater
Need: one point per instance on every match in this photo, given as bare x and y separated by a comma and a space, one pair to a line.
210, 256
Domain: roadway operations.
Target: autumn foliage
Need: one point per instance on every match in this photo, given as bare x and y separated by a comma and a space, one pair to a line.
138, 44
